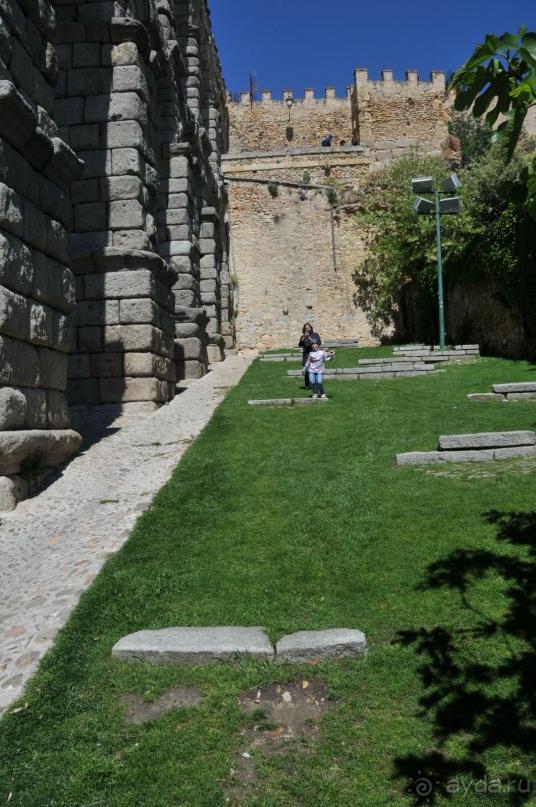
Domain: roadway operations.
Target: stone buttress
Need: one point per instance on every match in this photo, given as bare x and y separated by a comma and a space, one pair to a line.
37, 293
114, 238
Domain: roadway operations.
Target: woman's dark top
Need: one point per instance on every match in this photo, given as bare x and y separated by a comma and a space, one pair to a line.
307, 340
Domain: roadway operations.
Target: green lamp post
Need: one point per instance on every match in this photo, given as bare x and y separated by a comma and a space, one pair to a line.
438, 206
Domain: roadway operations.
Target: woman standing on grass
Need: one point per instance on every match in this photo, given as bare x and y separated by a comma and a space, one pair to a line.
308, 338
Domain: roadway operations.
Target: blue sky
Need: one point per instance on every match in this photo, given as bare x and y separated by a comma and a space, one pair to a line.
302, 43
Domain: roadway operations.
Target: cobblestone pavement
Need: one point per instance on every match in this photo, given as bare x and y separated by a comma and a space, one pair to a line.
53, 545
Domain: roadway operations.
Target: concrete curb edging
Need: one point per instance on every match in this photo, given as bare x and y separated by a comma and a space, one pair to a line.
205, 646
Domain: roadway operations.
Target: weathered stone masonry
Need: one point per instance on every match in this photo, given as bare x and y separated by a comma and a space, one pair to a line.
140, 296
36, 284
293, 255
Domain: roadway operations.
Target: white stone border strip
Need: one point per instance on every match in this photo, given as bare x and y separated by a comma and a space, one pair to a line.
205, 646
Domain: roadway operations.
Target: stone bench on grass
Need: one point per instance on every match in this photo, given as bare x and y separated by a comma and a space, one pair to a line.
479, 447
205, 646
286, 401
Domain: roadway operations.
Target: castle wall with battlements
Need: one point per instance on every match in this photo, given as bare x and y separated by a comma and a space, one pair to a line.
293, 255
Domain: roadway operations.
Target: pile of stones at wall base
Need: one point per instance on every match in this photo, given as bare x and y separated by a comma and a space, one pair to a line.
114, 241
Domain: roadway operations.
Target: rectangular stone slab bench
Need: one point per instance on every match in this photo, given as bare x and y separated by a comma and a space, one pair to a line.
479, 447
194, 646
286, 401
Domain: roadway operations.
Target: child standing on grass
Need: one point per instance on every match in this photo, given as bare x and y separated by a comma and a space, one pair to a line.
315, 366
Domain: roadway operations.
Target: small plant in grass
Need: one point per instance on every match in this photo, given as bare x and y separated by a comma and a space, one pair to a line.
306, 178
273, 189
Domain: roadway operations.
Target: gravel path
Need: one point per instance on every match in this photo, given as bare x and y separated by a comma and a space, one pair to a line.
54, 545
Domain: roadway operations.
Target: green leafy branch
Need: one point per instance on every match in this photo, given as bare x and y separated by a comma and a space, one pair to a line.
499, 79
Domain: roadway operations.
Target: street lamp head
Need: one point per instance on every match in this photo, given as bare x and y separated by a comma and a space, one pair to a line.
451, 184
423, 206
422, 184
449, 205
289, 101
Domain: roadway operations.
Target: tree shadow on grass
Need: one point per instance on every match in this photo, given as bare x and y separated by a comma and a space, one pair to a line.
479, 684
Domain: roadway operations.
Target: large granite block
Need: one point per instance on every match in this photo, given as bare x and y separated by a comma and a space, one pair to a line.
486, 440
194, 646
49, 447
318, 645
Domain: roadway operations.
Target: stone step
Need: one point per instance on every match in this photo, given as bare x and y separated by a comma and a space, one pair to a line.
205, 646
445, 355
342, 343
433, 359
415, 346
521, 396
523, 386
486, 396
455, 442
395, 367
430, 349
308, 646
286, 401
475, 455
194, 646
282, 357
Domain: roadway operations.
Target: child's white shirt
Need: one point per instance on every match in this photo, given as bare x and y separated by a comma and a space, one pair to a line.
316, 360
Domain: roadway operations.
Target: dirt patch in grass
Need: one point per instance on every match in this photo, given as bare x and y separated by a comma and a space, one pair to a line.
282, 718
139, 711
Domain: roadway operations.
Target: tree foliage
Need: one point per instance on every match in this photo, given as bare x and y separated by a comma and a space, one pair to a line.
475, 136
490, 239
499, 82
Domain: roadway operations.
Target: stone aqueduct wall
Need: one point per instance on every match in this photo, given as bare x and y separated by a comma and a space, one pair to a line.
292, 256
112, 125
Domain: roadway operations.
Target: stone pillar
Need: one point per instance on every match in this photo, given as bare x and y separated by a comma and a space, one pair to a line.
210, 280
107, 109
36, 284
179, 226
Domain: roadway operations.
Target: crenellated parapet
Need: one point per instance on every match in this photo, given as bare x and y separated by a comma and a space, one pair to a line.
392, 109
266, 97
388, 82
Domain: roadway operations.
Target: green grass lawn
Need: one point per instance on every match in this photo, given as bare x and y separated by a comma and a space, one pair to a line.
299, 519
